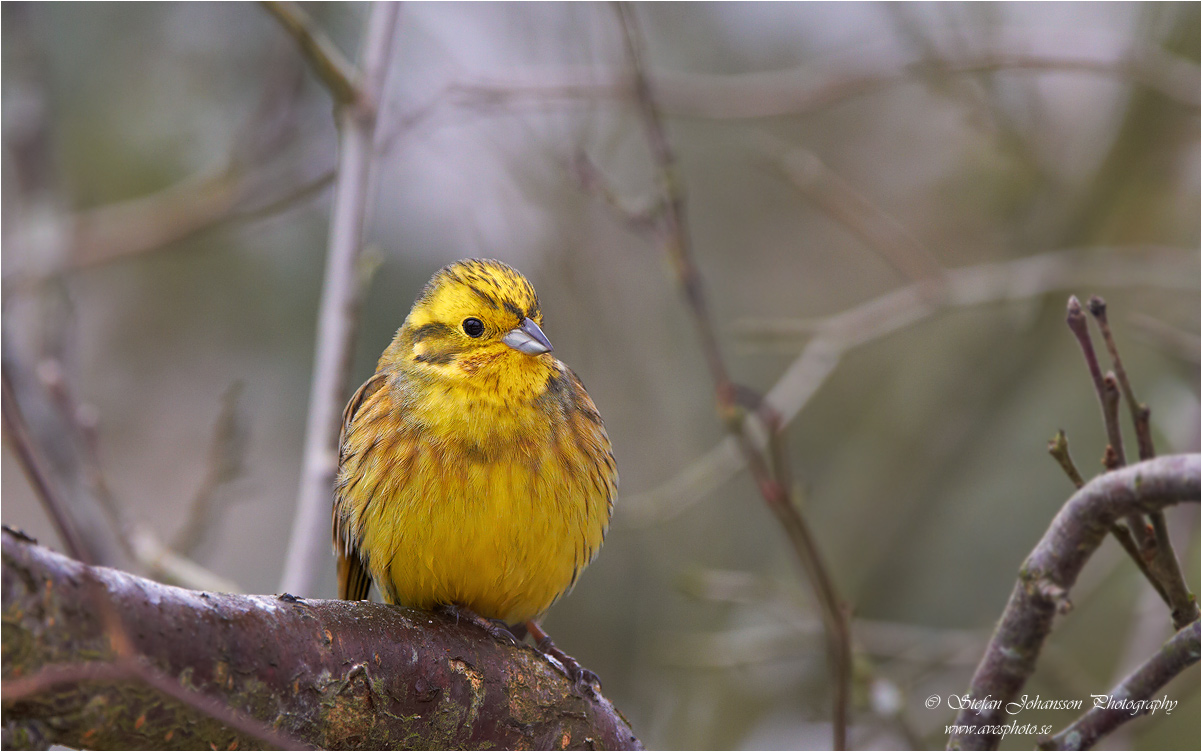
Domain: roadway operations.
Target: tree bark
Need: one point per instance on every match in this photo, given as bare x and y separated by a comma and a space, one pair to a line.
1050, 572
330, 674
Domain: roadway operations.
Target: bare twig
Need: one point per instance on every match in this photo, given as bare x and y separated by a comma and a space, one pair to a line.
148, 223
338, 75
1111, 397
884, 234
139, 542
639, 216
1167, 571
1049, 573
40, 477
1130, 699
774, 486
226, 462
1078, 325
1162, 568
81, 433
1058, 448
338, 313
1176, 342
1140, 413
1108, 397
977, 91
803, 90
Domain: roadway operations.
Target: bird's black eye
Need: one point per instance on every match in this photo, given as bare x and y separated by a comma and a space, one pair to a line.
473, 327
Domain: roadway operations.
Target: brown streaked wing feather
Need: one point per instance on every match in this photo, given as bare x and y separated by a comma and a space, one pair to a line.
370, 387
353, 580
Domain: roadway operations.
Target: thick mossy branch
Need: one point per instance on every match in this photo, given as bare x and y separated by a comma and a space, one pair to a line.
331, 674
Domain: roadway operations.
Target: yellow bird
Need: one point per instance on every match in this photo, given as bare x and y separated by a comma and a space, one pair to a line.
474, 469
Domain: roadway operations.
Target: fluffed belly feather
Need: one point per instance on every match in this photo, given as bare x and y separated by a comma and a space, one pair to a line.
503, 536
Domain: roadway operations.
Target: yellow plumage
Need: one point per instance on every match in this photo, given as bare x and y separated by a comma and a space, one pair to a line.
474, 469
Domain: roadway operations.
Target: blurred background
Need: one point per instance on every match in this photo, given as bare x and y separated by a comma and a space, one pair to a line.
889, 205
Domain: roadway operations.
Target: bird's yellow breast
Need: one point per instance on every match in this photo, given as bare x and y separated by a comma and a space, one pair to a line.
495, 500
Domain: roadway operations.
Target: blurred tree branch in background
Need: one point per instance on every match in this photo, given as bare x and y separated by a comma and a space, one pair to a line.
770, 469
831, 337
357, 97
804, 90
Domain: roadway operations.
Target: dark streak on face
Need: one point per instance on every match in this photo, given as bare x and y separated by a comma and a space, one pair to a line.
438, 357
431, 330
515, 311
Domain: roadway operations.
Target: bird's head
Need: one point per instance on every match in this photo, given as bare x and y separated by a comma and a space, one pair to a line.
474, 319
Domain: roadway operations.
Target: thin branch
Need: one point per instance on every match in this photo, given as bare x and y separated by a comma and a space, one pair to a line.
749, 646
338, 313
1111, 397
121, 229
1162, 565
1049, 573
1174, 341
804, 90
335, 72
149, 223
198, 203
1167, 570
774, 487
1130, 699
831, 337
1058, 448
1077, 324
640, 216
227, 457
139, 542
840, 200
1140, 413
16, 433
978, 92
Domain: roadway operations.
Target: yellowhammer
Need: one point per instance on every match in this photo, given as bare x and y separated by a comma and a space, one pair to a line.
474, 470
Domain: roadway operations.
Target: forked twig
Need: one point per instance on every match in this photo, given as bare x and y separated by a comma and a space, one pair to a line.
1108, 396
1058, 448
338, 75
1162, 567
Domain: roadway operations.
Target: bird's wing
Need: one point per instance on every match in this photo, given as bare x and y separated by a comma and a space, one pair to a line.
354, 582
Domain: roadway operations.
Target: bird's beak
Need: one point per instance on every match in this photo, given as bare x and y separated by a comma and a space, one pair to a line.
528, 338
